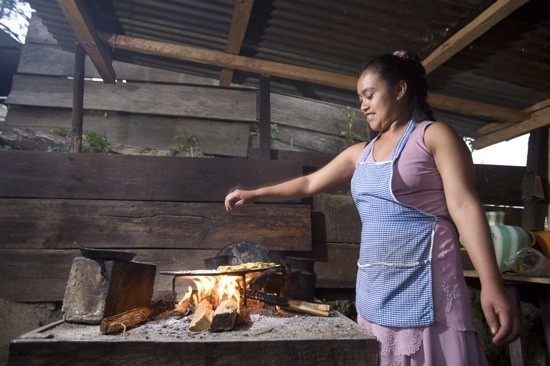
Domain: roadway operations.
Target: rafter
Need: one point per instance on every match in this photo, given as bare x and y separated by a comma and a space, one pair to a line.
222, 59
538, 119
81, 22
539, 116
485, 21
495, 126
476, 109
336, 80
237, 30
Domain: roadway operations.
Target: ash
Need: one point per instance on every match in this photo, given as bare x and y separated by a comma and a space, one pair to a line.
264, 323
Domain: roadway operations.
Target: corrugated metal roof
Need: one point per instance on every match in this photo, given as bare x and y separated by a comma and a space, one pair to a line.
8, 44
507, 66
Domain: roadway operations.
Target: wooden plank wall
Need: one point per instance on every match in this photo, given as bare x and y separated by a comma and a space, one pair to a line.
148, 107
168, 210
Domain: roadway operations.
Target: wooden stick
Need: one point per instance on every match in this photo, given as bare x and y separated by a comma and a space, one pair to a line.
309, 307
132, 318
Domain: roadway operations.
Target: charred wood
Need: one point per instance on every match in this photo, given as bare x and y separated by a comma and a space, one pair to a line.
224, 316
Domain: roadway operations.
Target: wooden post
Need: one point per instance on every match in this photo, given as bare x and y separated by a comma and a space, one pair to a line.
534, 212
78, 99
265, 117
517, 347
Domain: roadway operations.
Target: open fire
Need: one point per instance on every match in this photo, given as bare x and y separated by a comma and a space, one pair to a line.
215, 301
218, 300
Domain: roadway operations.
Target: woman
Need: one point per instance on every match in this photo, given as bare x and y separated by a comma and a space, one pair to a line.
413, 188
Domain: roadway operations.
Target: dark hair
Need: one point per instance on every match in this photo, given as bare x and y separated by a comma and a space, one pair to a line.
406, 66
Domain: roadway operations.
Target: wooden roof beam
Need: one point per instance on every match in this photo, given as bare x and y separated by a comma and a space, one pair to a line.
336, 80
80, 20
237, 31
475, 109
539, 117
485, 21
222, 59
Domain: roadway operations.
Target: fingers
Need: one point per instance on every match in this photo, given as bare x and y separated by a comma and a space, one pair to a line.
232, 199
229, 202
509, 329
503, 321
492, 321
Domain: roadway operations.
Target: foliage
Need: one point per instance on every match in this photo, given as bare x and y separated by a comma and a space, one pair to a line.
5, 147
185, 144
97, 143
64, 132
348, 128
273, 131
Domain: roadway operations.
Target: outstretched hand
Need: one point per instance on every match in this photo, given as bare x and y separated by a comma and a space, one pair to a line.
502, 317
237, 198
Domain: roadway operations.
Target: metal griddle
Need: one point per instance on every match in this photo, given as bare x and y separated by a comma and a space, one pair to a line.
213, 272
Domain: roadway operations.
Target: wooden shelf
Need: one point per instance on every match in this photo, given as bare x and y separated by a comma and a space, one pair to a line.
513, 278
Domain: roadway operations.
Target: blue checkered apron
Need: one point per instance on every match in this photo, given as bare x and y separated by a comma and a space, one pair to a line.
394, 278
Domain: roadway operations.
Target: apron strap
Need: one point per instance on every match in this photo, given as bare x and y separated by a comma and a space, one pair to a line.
400, 144
403, 140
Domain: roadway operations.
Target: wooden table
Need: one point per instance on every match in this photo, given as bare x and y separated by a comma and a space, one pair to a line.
512, 285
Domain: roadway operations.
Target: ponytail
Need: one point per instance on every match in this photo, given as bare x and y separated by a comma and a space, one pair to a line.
406, 66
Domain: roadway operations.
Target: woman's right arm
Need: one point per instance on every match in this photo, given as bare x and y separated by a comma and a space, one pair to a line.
339, 170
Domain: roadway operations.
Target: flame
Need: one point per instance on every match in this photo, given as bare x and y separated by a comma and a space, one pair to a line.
215, 289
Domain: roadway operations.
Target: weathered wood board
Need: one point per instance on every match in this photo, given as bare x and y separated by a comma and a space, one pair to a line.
335, 219
120, 177
48, 59
335, 264
316, 116
31, 275
42, 275
221, 138
499, 185
229, 104
64, 224
311, 140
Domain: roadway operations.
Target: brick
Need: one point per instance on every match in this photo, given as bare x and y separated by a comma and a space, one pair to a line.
99, 288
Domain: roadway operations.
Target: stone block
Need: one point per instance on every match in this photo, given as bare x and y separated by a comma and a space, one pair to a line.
100, 288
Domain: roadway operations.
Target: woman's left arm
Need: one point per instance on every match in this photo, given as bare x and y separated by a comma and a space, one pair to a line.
454, 163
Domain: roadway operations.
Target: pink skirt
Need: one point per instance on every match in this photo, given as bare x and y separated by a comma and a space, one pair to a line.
438, 345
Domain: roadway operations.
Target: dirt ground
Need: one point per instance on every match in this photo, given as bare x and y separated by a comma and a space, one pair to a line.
19, 318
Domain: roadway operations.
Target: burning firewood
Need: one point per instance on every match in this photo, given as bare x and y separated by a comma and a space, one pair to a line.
183, 307
202, 318
224, 316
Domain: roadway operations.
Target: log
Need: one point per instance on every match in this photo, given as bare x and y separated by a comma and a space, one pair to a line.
202, 319
132, 318
309, 307
224, 316
21, 138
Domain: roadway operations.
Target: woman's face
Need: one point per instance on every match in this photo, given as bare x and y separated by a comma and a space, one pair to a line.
380, 103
